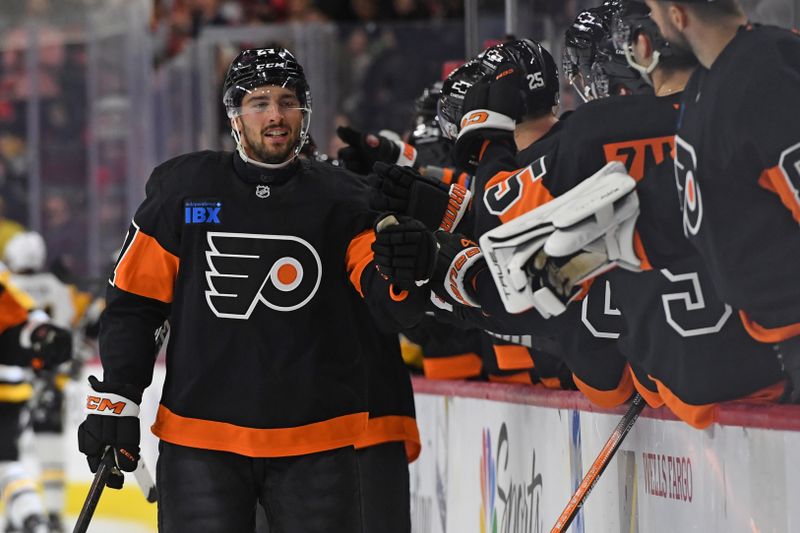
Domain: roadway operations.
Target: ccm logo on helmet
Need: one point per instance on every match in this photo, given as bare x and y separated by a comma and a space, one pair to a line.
477, 117
95, 403
282, 272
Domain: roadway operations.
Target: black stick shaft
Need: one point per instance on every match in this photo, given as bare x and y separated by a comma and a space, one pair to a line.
95, 491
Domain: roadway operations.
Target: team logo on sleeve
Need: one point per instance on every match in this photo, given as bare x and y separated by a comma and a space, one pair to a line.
688, 188
281, 272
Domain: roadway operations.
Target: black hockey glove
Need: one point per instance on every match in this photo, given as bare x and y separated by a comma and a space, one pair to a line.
491, 110
364, 149
457, 264
789, 357
404, 250
404, 190
50, 345
112, 419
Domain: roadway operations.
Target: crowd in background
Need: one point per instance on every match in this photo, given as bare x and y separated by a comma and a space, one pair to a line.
378, 40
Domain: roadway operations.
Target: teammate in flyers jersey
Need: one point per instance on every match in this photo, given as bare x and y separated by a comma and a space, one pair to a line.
673, 344
737, 164
259, 259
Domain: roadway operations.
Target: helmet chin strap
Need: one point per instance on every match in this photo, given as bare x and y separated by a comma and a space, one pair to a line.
237, 136
644, 71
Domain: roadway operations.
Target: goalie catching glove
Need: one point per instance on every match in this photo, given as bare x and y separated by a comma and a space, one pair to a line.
540, 259
404, 190
407, 253
363, 150
112, 419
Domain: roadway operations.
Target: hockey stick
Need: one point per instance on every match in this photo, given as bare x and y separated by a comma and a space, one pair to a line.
599, 465
104, 472
145, 481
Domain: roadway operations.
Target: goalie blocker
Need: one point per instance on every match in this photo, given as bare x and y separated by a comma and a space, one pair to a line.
539, 259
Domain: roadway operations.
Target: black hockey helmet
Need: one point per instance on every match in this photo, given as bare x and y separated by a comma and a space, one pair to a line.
425, 126
539, 74
633, 19
591, 62
257, 67
449, 109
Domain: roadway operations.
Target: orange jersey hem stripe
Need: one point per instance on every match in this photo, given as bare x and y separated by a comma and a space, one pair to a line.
359, 255
252, 442
12, 313
653, 398
702, 416
512, 357
519, 377
392, 428
460, 366
607, 398
147, 269
768, 335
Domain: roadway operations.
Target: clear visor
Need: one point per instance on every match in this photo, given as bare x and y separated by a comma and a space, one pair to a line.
445, 115
281, 99
620, 34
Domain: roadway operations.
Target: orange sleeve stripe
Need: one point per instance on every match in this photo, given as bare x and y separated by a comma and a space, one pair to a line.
523, 378
607, 398
652, 398
768, 335
447, 176
484, 146
147, 269
774, 180
462, 366
513, 357
359, 255
12, 313
253, 442
392, 428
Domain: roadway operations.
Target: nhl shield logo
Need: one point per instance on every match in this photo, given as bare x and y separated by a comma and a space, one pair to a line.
262, 191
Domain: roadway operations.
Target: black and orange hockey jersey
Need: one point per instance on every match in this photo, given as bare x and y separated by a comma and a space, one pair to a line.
261, 274
738, 175
390, 397
668, 323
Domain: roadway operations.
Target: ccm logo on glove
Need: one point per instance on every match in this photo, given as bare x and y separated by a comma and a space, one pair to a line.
111, 405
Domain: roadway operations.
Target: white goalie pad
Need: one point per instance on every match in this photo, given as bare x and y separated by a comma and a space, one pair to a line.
507, 249
598, 216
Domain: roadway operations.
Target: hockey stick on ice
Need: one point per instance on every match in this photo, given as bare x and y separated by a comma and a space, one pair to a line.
599, 465
104, 472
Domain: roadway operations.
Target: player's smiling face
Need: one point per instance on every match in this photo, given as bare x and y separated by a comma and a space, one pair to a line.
270, 123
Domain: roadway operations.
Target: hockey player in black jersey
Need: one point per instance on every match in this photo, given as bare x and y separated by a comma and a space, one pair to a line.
260, 260
675, 332
736, 165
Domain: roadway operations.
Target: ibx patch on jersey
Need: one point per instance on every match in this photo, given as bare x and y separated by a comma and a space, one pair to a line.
202, 212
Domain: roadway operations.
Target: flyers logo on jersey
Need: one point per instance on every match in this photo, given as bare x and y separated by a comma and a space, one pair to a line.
281, 272
688, 188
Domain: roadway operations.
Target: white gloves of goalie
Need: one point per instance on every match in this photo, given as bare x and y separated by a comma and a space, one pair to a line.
541, 258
